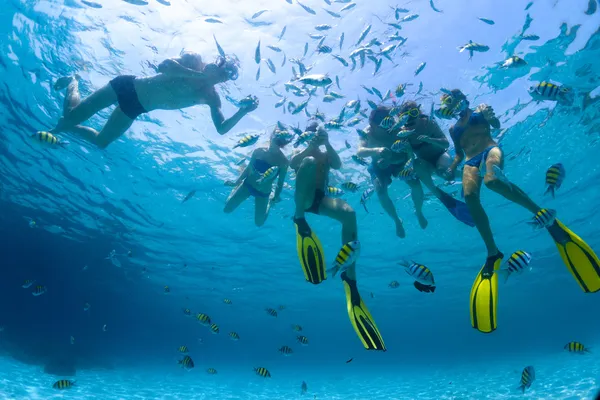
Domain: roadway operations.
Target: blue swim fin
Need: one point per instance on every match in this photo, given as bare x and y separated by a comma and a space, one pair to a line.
457, 208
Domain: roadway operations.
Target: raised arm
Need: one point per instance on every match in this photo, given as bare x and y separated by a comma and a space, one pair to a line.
281, 180
298, 157
364, 150
223, 125
188, 65
460, 155
436, 137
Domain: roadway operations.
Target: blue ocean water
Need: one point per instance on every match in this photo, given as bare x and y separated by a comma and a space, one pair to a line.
65, 209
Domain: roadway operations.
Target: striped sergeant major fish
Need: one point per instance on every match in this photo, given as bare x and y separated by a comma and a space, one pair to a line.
48, 139
262, 372
424, 281
555, 176
576, 347
527, 378
63, 384
347, 256
517, 263
552, 92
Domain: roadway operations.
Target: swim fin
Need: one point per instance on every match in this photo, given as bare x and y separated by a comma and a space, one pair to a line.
457, 208
360, 317
310, 252
579, 258
484, 295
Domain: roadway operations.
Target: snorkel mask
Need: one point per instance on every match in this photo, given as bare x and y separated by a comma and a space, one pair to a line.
230, 65
408, 117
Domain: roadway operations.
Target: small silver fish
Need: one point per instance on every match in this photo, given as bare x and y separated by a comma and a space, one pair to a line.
341, 40
433, 7
307, 8
281, 34
258, 73
410, 17
337, 82
367, 194
257, 53
487, 21
275, 49
333, 14
259, 13
271, 65
213, 21
280, 102
340, 59
284, 60
377, 66
363, 35
472, 46
323, 27
420, 68
348, 7
219, 48
530, 37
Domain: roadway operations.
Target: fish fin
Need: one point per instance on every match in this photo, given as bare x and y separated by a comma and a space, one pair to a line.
505, 273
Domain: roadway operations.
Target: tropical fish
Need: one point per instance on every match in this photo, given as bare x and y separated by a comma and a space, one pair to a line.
203, 319
350, 186
517, 263
316, 80
247, 140
260, 371
303, 138
186, 362
269, 174
303, 340
359, 160
271, 65
280, 102
48, 139
234, 336
63, 384
258, 14
527, 378
324, 50
186, 311
228, 301
337, 82
307, 8
27, 284
394, 284
323, 27
422, 275
347, 256
398, 11
543, 219
284, 60
433, 7
487, 21
86, 307
363, 35
555, 176
367, 194
340, 59
377, 66
39, 290
348, 7
420, 68
334, 192
258, 23
400, 146
211, 371
592, 7
272, 312
286, 350
528, 5
214, 329
183, 349
576, 347
297, 328
530, 37
91, 4
513, 62
410, 17
471, 47
549, 91
275, 48
282, 33
333, 125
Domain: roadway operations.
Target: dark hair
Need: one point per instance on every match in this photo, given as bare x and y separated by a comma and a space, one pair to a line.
312, 126
378, 114
407, 105
458, 94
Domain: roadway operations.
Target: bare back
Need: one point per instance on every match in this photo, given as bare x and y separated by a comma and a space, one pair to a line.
167, 92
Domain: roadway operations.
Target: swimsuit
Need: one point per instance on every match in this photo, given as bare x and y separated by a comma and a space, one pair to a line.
479, 159
384, 174
127, 96
314, 207
430, 158
260, 166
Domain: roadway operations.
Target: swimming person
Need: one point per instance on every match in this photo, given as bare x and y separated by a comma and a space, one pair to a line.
386, 164
266, 164
312, 167
484, 161
181, 82
430, 146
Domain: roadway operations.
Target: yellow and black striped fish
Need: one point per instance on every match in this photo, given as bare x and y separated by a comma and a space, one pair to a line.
297, 328
187, 311
271, 312
246, 141
211, 371
347, 256
167, 289
39, 290
269, 174
394, 284
214, 328
203, 319
63, 384
387, 122
303, 340
554, 178
527, 378
183, 349
576, 347
48, 139
334, 192
281, 307
407, 174
445, 112
517, 263
234, 336
286, 350
350, 186
226, 301
422, 275
263, 372
186, 362
543, 219
547, 91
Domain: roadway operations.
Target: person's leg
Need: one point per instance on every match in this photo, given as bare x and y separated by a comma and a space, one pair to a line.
418, 198
472, 188
424, 172
305, 186
506, 189
238, 196
341, 211
117, 124
261, 210
386, 202
76, 111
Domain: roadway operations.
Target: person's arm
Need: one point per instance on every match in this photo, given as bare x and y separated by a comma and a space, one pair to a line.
334, 158
365, 151
460, 154
436, 137
487, 112
221, 124
298, 157
175, 67
280, 182
242, 176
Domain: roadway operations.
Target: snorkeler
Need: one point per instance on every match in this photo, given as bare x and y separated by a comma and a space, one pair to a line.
266, 164
484, 161
430, 145
312, 167
181, 82
387, 164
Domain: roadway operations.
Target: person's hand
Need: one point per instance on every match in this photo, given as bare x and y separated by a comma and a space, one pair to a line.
230, 183
449, 173
486, 111
424, 138
321, 138
249, 104
385, 154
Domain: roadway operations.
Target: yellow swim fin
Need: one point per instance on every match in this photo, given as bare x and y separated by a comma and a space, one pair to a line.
310, 252
484, 295
579, 258
360, 317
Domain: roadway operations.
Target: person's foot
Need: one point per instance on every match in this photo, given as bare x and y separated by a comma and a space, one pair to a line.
422, 220
400, 229
63, 83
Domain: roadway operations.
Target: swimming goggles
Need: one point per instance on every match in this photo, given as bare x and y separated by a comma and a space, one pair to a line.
410, 114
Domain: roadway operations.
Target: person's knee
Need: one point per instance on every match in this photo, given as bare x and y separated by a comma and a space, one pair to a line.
308, 163
491, 182
380, 188
471, 197
348, 215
